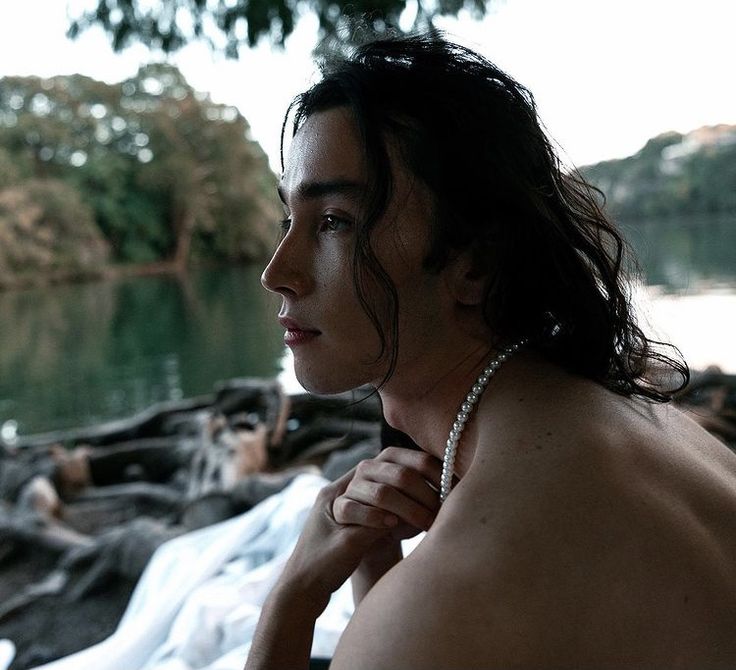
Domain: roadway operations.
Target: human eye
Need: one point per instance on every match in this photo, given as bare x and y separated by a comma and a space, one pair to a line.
334, 224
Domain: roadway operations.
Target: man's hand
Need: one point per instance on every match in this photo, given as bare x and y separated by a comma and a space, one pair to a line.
361, 516
400, 477
397, 489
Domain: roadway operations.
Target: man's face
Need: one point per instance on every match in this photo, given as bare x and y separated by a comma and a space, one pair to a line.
334, 343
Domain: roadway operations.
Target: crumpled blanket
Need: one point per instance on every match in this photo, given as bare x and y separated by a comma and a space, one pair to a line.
7, 654
199, 598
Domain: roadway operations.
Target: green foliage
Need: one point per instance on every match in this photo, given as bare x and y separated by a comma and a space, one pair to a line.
157, 163
672, 175
169, 25
45, 227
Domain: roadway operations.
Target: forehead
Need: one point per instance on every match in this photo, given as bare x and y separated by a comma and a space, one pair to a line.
326, 149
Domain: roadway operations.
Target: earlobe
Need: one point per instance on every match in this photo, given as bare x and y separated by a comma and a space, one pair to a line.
466, 282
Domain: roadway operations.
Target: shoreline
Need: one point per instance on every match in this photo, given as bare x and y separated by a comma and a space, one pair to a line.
110, 272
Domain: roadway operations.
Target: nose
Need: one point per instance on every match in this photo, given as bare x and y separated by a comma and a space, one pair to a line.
287, 273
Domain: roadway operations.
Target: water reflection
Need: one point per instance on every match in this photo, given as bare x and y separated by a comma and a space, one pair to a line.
685, 254
78, 354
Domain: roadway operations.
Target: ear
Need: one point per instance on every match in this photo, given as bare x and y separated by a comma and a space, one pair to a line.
465, 281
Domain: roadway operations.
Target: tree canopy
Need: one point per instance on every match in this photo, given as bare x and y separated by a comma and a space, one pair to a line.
160, 171
227, 25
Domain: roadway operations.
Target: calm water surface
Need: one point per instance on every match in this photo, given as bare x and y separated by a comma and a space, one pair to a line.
80, 354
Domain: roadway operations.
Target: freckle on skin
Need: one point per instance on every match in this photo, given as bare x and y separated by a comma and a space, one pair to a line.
521, 399
549, 434
538, 447
686, 599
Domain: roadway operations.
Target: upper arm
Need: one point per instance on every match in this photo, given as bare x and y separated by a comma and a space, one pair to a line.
419, 618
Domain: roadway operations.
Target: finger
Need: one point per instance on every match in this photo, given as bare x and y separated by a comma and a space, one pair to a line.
348, 511
421, 461
401, 477
337, 488
389, 499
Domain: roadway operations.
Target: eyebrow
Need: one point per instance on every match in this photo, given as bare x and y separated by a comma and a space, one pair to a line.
316, 189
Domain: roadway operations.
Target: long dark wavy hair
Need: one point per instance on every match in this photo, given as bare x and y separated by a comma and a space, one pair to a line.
555, 265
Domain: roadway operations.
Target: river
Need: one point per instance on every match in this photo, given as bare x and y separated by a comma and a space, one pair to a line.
79, 354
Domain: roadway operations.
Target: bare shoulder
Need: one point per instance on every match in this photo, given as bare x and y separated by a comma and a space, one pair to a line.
603, 535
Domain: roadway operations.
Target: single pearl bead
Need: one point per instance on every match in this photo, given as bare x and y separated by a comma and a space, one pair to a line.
467, 407
472, 398
477, 389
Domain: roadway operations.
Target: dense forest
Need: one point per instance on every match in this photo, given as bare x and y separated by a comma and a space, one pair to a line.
146, 171
672, 175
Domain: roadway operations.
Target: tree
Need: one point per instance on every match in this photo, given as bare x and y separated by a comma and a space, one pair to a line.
673, 174
169, 25
167, 173
46, 228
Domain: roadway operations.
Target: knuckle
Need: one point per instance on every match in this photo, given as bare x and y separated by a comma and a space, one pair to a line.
325, 495
426, 461
382, 495
363, 468
342, 508
391, 453
403, 476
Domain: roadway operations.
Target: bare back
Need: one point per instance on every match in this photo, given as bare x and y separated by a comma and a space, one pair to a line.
595, 532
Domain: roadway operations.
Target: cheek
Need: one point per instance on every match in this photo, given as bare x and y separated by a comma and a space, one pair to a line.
422, 316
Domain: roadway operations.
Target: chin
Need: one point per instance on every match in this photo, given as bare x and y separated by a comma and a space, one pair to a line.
327, 382
323, 385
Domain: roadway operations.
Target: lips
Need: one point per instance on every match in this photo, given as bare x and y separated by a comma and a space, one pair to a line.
293, 324
296, 332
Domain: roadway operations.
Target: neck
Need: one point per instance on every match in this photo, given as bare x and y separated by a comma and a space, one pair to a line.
426, 406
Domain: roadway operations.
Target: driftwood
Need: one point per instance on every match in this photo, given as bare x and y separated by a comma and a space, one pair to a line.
82, 511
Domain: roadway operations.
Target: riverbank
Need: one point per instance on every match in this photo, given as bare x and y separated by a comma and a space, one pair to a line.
104, 272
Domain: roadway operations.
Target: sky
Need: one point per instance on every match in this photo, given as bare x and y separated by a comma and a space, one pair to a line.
607, 74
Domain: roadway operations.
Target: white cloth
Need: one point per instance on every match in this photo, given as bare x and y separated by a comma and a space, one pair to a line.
198, 601
7, 654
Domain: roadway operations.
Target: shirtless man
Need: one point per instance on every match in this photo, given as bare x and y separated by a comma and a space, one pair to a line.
589, 524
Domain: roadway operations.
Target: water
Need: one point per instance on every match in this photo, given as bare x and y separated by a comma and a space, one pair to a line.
690, 294
79, 354
686, 255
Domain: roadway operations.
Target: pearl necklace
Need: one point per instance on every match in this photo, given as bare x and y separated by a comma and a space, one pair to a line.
448, 463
